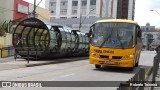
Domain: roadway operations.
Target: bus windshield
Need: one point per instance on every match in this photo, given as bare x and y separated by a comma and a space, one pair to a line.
113, 35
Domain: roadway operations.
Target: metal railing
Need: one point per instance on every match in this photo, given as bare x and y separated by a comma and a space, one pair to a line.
28, 50
142, 77
7, 51
155, 67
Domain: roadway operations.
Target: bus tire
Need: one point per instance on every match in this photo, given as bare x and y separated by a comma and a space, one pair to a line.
97, 66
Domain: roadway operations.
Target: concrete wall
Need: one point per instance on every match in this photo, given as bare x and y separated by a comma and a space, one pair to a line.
114, 13
6, 11
9, 10
42, 13
6, 40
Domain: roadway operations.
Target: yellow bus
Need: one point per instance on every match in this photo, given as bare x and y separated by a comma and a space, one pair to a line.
115, 42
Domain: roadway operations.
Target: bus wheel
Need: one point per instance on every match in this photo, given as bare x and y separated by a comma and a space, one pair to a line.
97, 66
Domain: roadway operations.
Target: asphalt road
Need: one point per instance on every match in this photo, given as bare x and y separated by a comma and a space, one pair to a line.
73, 71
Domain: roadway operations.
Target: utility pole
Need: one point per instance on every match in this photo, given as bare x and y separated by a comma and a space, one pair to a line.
34, 10
155, 11
81, 21
101, 6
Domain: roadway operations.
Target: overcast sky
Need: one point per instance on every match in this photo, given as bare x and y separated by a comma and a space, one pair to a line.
142, 11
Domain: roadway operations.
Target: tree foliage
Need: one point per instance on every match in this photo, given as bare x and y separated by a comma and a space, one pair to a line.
6, 27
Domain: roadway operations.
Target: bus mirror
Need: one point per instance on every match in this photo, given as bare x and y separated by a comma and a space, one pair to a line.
139, 34
90, 32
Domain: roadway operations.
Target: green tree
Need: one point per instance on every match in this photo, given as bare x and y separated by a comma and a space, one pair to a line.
6, 27
150, 40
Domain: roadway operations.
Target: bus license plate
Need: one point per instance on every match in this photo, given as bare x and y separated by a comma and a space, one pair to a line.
110, 62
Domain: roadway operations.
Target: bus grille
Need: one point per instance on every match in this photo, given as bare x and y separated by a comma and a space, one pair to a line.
103, 56
116, 57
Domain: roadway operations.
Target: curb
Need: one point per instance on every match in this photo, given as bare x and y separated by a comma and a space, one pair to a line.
56, 61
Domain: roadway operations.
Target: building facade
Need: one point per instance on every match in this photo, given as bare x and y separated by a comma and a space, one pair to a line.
123, 9
79, 8
80, 14
13, 9
41, 13
74, 23
148, 27
119, 9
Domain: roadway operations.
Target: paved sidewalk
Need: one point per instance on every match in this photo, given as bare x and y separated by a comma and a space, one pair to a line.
10, 63
7, 59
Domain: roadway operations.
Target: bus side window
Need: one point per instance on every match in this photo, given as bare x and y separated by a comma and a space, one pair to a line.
91, 31
139, 32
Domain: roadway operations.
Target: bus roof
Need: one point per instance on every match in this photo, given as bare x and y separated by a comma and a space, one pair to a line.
117, 20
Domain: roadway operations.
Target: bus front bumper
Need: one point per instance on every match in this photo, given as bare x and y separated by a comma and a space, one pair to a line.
127, 63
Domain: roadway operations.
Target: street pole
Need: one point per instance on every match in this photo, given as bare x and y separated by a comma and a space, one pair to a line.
80, 22
155, 11
34, 10
84, 18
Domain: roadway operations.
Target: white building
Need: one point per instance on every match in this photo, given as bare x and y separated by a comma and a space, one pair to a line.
148, 27
84, 12
119, 9
77, 8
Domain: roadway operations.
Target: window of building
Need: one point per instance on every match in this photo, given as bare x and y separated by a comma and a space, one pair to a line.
74, 17
74, 11
63, 11
147, 29
63, 3
93, 2
52, 3
74, 3
84, 3
83, 11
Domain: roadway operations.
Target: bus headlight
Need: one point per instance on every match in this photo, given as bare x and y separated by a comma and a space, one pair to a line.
131, 56
128, 56
93, 54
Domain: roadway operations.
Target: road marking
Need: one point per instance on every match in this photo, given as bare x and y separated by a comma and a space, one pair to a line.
67, 75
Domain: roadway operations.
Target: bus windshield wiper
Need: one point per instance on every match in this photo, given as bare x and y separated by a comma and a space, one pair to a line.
118, 37
105, 40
